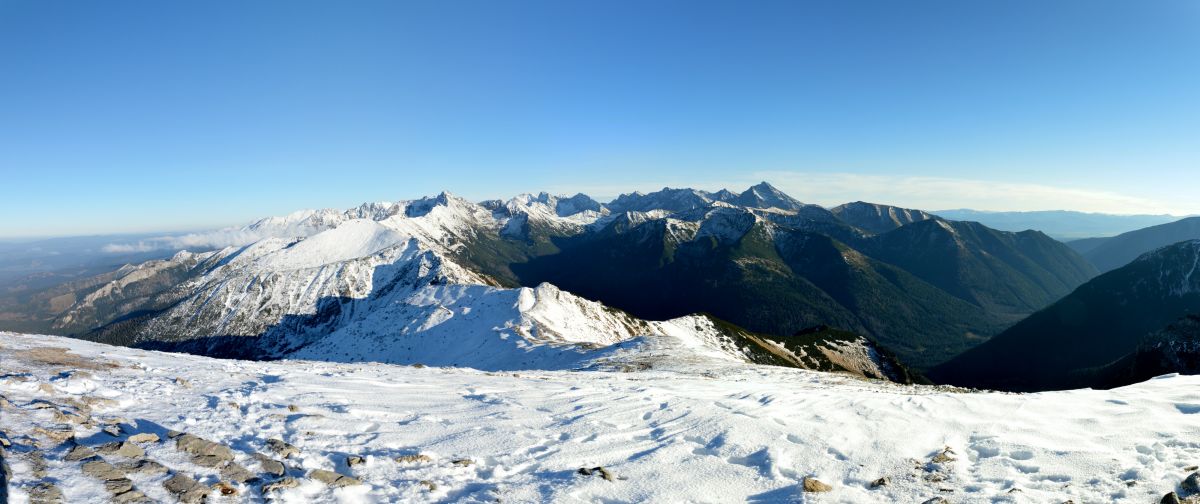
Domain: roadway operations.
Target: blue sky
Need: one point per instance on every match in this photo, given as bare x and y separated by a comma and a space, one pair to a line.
150, 115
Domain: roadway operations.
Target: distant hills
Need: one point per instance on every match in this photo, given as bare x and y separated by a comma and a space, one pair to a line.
1110, 253
1060, 224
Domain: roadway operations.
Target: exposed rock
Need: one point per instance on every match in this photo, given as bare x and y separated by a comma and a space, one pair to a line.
114, 480
463, 462
937, 500
143, 467
1191, 468
429, 485
144, 437
225, 489
236, 473
58, 434
1170, 498
280, 484
112, 430
282, 448
79, 452
131, 496
354, 460
45, 493
182, 382
1191, 483
811, 484
944, 456
121, 448
332, 479
884, 481
204, 452
413, 458
269, 465
602, 472
293, 408
69, 417
186, 488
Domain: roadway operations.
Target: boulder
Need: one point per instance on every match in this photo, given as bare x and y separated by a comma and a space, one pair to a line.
413, 458
185, 488
282, 448
332, 479
811, 484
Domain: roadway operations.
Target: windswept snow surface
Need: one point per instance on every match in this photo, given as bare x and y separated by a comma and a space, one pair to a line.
698, 433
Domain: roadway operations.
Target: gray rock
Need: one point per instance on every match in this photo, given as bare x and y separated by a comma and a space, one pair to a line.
45, 493
884, 481
1170, 498
236, 473
280, 484
114, 479
332, 479
79, 452
811, 484
121, 448
462, 462
269, 465
937, 500
429, 485
282, 448
204, 452
131, 496
185, 488
413, 458
143, 467
354, 460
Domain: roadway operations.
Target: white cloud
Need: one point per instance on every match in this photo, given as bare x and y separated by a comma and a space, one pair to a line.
221, 238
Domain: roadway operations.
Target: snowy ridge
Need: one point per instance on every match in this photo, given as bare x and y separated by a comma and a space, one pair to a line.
716, 434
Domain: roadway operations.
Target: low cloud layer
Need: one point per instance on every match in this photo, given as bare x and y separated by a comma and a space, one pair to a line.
229, 237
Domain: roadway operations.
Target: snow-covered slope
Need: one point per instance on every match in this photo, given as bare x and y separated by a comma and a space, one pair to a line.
705, 433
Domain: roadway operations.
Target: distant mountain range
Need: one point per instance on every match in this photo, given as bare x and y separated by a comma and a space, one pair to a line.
556, 282
1111, 253
1060, 224
543, 279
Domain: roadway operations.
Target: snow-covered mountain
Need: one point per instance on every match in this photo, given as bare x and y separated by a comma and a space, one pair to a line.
401, 283
448, 281
878, 218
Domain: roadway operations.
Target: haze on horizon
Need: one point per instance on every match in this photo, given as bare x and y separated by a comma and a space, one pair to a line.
151, 116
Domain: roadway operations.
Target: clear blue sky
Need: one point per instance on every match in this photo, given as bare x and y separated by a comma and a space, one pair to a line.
153, 115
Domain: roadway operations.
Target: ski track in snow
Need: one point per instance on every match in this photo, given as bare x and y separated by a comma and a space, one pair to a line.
735, 433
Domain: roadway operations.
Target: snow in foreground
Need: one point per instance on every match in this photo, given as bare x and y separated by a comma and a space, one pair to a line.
731, 434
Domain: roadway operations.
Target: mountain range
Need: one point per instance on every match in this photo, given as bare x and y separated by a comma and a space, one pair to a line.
1060, 224
1113, 252
1112, 329
553, 281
